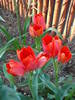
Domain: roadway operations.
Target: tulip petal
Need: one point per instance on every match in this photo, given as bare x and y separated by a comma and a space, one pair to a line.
39, 19
25, 52
15, 68
35, 30
42, 59
51, 45
64, 54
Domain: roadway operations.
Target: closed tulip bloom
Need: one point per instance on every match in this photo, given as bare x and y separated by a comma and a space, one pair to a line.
51, 45
35, 30
28, 62
39, 19
64, 54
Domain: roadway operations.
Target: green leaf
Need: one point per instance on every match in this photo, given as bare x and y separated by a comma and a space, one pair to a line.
8, 76
1, 81
3, 30
48, 83
50, 96
25, 97
40, 98
52, 29
26, 24
7, 93
35, 85
5, 47
1, 19
65, 89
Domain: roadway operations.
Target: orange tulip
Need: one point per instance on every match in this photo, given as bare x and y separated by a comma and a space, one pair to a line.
35, 30
64, 54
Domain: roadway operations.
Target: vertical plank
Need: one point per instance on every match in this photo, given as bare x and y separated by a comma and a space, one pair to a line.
4, 3
45, 8
56, 13
69, 23
49, 14
39, 6
1, 2
21, 7
34, 7
72, 32
7, 4
13, 7
24, 8
63, 13
10, 5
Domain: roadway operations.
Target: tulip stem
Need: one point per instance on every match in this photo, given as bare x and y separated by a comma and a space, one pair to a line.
55, 64
33, 81
37, 43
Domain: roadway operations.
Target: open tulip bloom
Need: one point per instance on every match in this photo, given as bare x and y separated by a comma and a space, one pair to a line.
28, 62
51, 45
64, 54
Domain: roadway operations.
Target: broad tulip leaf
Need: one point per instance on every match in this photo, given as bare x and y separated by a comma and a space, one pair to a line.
25, 97
48, 83
7, 93
1, 81
50, 96
35, 85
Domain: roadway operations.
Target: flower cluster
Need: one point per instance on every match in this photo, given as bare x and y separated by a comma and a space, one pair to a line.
28, 61
52, 47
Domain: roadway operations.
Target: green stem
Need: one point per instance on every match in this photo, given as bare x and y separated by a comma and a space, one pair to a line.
18, 18
37, 43
55, 64
32, 85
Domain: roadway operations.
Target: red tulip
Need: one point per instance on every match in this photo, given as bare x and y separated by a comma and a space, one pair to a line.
27, 57
28, 62
64, 54
42, 59
39, 19
15, 68
35, 30
51, 45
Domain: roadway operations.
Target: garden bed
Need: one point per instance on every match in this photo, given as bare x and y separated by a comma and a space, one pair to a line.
11, 25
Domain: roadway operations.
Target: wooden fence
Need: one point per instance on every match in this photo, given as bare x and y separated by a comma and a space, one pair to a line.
57, 13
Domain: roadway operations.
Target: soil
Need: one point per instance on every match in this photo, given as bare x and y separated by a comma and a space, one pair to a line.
11, 25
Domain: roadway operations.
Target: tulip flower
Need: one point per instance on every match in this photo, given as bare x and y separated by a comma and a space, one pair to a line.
39, 19
35, 30
28, 61
15, 68
51, 45
64, 54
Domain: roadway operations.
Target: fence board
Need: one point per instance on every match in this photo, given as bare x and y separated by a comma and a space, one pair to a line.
55, 12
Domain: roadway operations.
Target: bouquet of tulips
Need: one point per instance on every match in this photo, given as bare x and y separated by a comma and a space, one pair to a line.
34, 59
